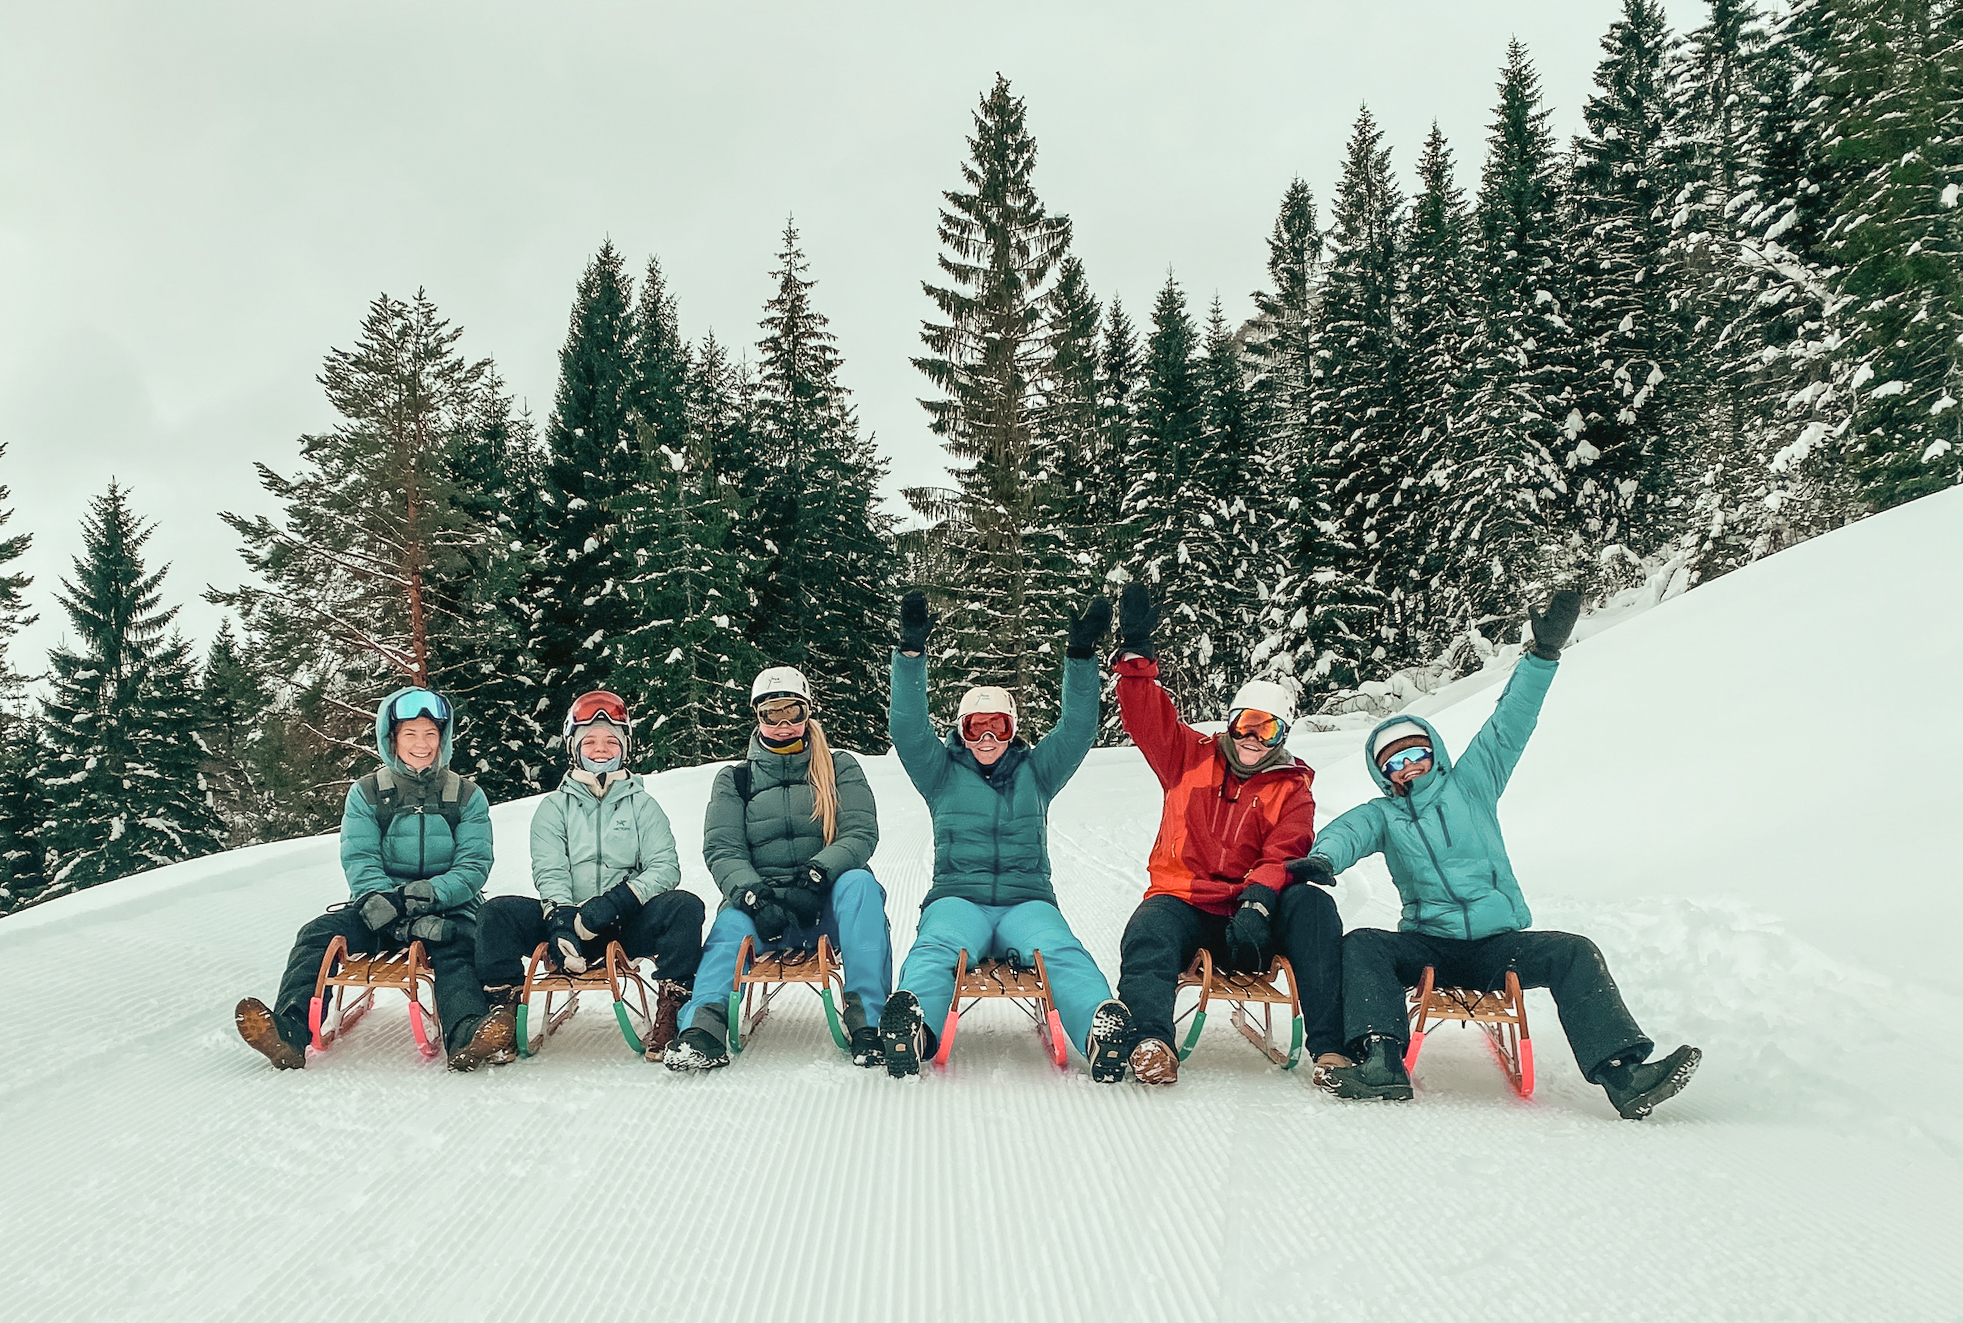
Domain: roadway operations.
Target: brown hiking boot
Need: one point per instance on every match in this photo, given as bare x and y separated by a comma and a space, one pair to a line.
1154, 1062
669, 998
494, 1040
259, 1029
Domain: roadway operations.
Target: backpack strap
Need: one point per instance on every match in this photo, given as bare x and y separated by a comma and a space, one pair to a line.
742, 778
383, 795
456, 790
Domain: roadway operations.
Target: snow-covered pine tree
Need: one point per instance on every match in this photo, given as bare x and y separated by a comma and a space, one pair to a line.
233, 704
121, 772
1230, 533
1626, 296
21, 801
1894, 88
823, 599
988, 356
1120, 379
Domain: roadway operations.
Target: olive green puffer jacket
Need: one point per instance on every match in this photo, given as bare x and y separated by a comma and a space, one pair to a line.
773, 837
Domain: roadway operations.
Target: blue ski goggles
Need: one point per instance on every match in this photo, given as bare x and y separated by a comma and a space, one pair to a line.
1404, 758
419, 703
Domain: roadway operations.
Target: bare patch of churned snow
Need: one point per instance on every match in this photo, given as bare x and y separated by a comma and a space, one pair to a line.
1742, 795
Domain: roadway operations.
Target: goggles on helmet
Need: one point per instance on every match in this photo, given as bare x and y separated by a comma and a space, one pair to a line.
1251, 723
782, 711
597, 703
1404, 758
419, 703
977, 724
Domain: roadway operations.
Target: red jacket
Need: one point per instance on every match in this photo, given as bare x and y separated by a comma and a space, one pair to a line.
1218, 833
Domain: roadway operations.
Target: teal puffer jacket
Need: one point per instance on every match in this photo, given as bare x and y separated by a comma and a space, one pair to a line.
419, 843
584, 844
991, 834
1442, 842
774, 836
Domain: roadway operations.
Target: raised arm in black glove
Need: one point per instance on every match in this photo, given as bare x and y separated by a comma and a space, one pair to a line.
1250, 932
915, 622
1137, 617
1086, 630
603, 911
381, 909
1314, 869
1551, 629
771, 918
561, 931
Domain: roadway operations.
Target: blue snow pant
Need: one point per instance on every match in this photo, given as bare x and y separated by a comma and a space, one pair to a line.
853, 918
989, 932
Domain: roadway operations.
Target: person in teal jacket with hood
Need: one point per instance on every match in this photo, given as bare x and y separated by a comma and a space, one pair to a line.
416, 849
989, 792
606, 869
1437, 826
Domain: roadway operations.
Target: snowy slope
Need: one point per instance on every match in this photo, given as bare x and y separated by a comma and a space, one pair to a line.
1720, 793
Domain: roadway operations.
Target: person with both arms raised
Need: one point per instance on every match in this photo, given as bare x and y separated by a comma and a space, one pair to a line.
1437, 826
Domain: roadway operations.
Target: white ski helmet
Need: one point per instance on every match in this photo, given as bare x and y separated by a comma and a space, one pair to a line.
780, 682
987, 698
1264, 696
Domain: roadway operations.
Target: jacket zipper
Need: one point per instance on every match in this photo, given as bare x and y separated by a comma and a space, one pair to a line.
1465, 909
422, 842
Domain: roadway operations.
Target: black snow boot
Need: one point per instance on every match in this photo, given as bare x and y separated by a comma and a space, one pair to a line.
866, 1048
903, 1034
696, 1049
1110, 1041
1380, 1074
494, 1038
281, 1042
1636, 1088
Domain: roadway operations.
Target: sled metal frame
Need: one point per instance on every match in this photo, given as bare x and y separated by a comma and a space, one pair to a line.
331, 1014
1027, 986
1243, 992
760, 976
615, 976
1502, 1014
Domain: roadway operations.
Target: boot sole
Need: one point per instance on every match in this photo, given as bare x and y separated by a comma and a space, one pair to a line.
1663, 1090
255, 1024
1357, 1091
494, 1041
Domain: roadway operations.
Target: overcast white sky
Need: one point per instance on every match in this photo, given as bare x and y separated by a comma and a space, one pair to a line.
198, 199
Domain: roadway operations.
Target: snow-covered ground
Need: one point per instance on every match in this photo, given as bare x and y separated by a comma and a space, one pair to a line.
1743, 795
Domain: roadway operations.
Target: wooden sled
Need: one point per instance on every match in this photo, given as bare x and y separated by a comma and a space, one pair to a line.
1243, 992
331, 1014
615, 977
1028, 986
761, 976
1503, 1015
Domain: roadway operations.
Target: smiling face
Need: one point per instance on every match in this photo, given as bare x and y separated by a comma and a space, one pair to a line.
1405, 775
599, 744
417, 742
988, 750
1251, 750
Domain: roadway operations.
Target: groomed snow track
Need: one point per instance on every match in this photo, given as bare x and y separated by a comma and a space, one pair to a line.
1793, 915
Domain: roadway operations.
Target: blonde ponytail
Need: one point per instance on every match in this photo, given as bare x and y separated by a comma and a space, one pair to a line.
823, 778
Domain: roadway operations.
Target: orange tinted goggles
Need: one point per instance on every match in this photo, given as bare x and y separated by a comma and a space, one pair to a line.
977, 724
1251, 723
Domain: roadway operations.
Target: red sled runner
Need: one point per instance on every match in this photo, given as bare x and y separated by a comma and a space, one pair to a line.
614, 977
1028, 986
1244, 992
1503, 1015
760, 977
330, 1015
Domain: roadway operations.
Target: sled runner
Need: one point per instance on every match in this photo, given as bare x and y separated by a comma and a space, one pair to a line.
616, 976
1503, 1015
332, 1014
1243, 992
1028, 986
761, 976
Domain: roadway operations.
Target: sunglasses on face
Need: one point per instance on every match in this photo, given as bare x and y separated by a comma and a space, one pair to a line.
1404, 758
782, 711
977, 724
1251, 723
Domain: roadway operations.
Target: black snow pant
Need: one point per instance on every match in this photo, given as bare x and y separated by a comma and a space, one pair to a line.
1378, 966
460, 1000
667, 929
1165, 933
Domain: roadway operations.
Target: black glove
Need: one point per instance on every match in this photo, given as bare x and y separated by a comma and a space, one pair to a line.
1088, 629
915, 623
816, 878
1250, 932
562, 937
771, 918
381, 909
1551, 630
419, 897
1314, 869
1137, 617
801, 903
605, 910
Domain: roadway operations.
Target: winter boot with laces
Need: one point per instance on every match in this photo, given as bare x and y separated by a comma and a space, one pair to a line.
267, 1035
1380, 1074
669, 998
1637, 1087
1154, 1061
1110, 1029
494, 1039
867, 1050
696, 1049
903, 1035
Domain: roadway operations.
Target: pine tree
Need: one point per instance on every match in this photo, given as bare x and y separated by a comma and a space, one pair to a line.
122, 769
1072, 505
21, 802
233, 704
1229, 534
1120, 381
822, 596
988, 355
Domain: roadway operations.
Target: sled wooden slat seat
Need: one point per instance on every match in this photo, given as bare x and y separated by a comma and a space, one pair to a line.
761, 975
1242, 991
1028, 986
616, 976
346, 987
1502, 1015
